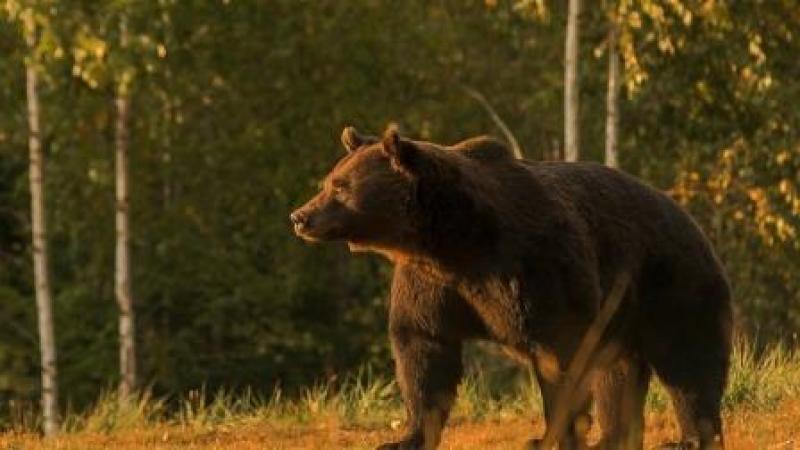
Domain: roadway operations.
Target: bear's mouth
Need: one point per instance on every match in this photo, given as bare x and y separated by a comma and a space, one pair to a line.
302, 231
356, 247
316, 235
307, 237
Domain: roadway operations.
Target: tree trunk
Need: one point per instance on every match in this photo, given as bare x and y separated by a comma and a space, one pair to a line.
127, 331
612, 95
572, 84
44, 303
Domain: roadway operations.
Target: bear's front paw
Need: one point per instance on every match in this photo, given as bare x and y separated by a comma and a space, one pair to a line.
400, 445
533, 444
570, 444
687, 445
409, 443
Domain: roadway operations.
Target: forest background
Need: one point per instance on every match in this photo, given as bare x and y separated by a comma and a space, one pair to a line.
233, 114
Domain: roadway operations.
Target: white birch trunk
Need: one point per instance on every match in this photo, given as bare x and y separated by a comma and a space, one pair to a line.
44, 303
122, 278
572, 84
612, 95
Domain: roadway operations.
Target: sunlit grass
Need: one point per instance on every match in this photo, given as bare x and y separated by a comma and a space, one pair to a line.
758, 381
110, 414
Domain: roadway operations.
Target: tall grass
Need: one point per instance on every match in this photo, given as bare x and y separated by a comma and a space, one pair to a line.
761, 381
110, 414
758, 381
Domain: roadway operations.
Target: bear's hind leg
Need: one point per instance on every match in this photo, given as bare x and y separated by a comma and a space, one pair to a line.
698, 418
694, 376
686, 332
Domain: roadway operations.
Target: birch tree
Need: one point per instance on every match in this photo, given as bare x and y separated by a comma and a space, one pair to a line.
127, 331
44, 302
612, 92
572, 83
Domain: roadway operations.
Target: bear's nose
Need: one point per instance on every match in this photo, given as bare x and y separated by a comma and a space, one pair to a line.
298, 219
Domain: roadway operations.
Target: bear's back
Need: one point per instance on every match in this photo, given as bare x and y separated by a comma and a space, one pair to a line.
484, 149
623, 214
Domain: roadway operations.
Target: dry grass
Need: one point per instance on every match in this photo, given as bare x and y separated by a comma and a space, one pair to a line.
494, 411
746, 430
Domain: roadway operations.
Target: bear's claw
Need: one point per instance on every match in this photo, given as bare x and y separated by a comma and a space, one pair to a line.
409, 443
402, 445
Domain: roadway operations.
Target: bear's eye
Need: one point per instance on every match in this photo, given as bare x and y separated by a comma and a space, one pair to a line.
340, 187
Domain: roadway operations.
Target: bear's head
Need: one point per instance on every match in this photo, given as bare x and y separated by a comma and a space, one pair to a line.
394, 196
364, 199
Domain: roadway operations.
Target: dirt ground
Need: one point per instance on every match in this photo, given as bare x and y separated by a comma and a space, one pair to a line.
776, 430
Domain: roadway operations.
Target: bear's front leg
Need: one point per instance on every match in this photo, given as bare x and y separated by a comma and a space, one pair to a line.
428, 371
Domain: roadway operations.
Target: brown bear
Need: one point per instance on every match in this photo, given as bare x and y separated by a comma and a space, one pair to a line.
524, 254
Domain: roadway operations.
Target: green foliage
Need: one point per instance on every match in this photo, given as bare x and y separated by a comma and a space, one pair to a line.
719, 131
236, 111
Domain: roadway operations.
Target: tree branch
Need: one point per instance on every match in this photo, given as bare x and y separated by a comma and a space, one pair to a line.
497, 120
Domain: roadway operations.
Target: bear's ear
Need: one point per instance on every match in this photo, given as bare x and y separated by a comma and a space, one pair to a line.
351, 139
401, 153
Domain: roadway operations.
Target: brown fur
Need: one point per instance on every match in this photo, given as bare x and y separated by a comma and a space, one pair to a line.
523, 254
484, 148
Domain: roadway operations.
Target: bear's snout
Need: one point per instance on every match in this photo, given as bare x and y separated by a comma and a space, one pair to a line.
299, 220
